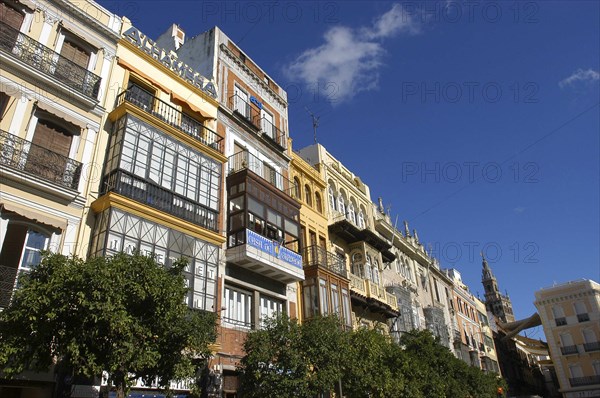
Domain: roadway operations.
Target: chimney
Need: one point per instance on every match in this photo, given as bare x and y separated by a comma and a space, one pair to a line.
178, 36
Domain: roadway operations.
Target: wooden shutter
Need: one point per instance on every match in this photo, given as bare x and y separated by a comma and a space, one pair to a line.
75, 53
53, 138
3, 104
10, 16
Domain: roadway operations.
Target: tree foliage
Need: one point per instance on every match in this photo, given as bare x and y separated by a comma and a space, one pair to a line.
124, 315
292, 360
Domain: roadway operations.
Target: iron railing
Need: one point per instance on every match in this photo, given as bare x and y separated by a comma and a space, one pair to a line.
315, 255
245, 160
594, 346
272, 133
8, 275
584, 381
160, 198
23, 155
583, 317
569, 349
561, 321
172, 116
47, 61
240, 106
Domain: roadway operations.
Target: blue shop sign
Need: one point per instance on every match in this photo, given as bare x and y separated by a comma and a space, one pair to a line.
273, 248
145, 394
256, 102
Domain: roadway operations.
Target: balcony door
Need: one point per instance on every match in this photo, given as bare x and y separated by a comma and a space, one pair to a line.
49, 151
240, 103
267, 125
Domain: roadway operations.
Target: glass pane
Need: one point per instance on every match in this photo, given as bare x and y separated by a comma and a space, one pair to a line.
36, 240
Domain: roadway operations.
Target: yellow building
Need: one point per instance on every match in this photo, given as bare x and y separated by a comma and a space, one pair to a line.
570, 315
487, 349
352, 233
325, 289
55, 60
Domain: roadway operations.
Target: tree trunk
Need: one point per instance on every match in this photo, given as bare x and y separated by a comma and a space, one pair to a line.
120, 384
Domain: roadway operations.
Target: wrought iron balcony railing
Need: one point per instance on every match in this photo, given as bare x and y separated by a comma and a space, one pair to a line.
23, 155
569, 349
51, 63
583, 317
315, 255
172, 116
594, 346
584, 381
561, 321
243, 108
8, 275
160, 198
245, 160
272, 133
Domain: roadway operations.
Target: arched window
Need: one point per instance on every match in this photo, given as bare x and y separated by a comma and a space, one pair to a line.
357, 265
368, 273
351, 214
332, 201
297, 188
341, 205
307, 195
318, 202
361, 220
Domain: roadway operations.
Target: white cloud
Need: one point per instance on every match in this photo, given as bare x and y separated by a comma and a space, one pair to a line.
349, 59
580, 75
519, 209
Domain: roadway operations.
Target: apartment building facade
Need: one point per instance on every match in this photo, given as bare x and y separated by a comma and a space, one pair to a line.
352, 232
325, 289
55, 59
570, 315
262, 263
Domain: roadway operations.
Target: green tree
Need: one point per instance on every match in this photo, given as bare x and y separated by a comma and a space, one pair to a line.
125, 315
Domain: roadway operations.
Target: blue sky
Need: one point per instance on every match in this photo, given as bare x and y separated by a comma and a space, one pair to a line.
477, 122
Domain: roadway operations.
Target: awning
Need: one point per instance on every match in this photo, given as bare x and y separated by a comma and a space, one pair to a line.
183, 101
33, 215
62, 115
11, 89
132, 68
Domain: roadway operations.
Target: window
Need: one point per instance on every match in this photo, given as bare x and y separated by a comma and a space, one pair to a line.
238, 307
240, 102
13, 18
576, 371
346, 307
351, 214
341, 205
581, 310
313, 238
269, 307
35, 242
140, 95
307, 195
332, 201
596, 366
559, 315
376, 273
297, 188
3, 104
323, 296
318, 202
267, 125
335, 300
270, 174
368, 272
357, 267
589, 336
361, 220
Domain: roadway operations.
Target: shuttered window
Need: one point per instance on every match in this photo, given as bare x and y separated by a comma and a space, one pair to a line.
3, 104
10, 16
75, 53
52, 138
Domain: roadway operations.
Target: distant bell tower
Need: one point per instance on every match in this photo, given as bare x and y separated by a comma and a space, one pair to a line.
495, 302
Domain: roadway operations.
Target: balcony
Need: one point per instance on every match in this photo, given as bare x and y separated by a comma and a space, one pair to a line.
8, 275
147, 192
266, 257
377, 298
569, 350
248, 113
561, 321
584, 381
42, 59
272, 133
583, 317
594, 346
246, 161
252, 117
22, 155
317, 256
172, 116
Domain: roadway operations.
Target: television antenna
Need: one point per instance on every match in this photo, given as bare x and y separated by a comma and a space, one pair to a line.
315, 123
